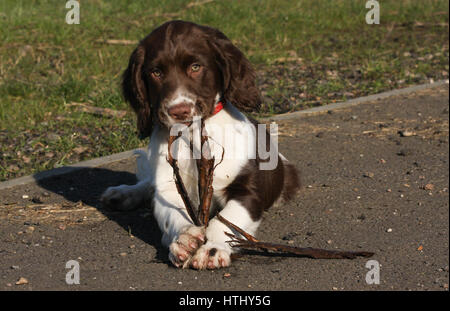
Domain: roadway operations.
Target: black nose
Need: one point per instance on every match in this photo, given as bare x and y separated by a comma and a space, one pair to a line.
180, 112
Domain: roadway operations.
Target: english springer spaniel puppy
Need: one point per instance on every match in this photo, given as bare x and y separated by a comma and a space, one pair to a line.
183, 71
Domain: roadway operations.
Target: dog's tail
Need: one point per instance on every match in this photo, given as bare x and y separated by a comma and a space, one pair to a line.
292, 182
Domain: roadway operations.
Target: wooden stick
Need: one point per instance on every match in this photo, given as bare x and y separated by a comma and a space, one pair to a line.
205, 168
248, 236
181, 188
316, 253
118, 41
98, 110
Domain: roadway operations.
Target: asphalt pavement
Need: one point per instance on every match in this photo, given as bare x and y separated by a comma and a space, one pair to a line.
375, 177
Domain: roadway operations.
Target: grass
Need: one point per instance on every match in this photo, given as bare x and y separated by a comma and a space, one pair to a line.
307, 53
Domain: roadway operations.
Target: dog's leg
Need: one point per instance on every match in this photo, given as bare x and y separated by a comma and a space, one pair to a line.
179, 234
215, 253
127, 197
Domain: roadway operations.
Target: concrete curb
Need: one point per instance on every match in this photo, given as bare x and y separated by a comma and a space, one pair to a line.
67, 169
127, 154
356, 101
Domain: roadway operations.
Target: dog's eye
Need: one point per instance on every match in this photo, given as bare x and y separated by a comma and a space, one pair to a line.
195, 67
156, 73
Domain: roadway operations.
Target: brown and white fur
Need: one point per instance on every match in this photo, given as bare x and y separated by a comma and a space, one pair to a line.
178, 72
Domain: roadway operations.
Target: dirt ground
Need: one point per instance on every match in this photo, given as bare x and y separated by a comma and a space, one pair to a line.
375, 178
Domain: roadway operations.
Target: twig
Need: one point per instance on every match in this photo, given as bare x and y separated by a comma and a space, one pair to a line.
118, 41
183, 10
194, 4
248, 236
98, 110
205, 169
316, 253
179, 183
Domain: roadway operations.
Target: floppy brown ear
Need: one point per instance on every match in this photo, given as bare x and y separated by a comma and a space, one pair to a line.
239, 78
135, 92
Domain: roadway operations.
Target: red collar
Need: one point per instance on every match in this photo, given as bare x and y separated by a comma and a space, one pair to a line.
218, 107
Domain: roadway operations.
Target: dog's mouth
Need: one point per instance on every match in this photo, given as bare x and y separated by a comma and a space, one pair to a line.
170, 121
187, 114
187, 123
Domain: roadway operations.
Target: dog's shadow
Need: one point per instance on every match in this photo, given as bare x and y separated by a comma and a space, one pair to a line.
87, 184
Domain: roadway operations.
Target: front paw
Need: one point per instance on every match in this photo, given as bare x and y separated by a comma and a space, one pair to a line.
211, 256
182, 249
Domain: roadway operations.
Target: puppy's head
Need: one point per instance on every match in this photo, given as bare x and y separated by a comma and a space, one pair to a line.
182, 70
